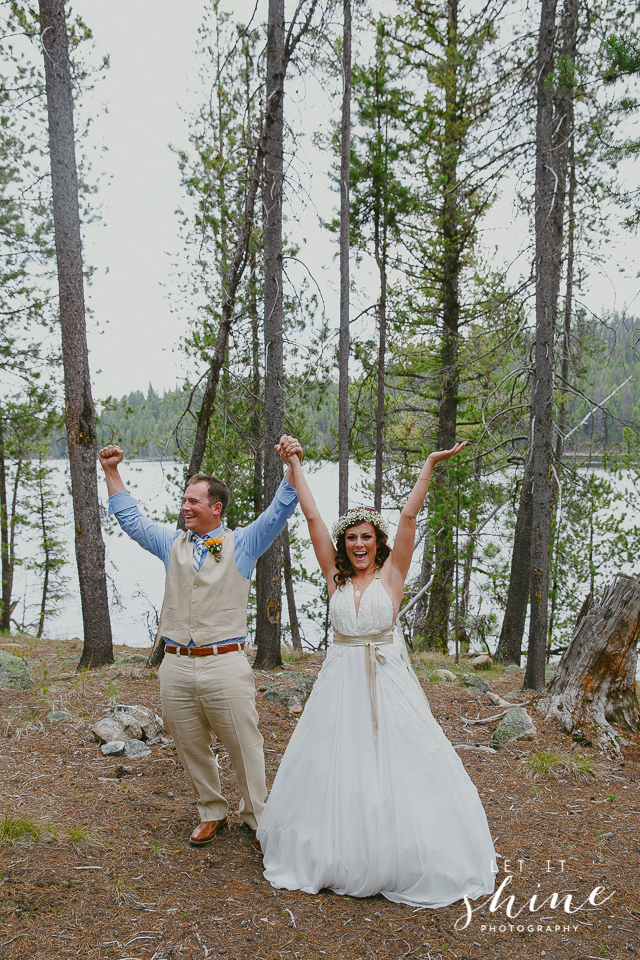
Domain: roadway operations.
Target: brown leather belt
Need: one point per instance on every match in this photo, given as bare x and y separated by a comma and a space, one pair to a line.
205, 651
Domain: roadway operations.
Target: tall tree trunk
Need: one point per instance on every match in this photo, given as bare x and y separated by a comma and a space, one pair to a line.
47, 555
381, 260
257, 433
565, 349
7, 570
437, 623
343, 350
515, 614
421, 605
272, 115
269, 613
79, 409
291, 597
552, 140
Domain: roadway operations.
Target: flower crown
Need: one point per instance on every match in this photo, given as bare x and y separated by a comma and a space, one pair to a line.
359, 515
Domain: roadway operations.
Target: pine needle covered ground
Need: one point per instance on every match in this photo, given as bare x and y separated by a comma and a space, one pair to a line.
94, 859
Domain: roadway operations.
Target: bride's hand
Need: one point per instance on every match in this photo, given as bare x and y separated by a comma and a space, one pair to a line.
439, 455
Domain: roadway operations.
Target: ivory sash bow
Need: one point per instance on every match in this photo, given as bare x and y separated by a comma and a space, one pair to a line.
374, 656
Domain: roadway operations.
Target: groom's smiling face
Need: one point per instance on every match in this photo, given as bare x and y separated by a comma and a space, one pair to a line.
200, 515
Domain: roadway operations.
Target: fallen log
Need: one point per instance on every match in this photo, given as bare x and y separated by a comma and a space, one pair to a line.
594, 684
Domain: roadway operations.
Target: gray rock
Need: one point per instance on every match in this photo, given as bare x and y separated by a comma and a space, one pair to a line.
290, 689
114, 748
124, 722
445, 675
482, 662
116, 728
513, 695
515, 725
56, 716
14, 673
550, 671
471, 680
513, 668
134, 658
136, 748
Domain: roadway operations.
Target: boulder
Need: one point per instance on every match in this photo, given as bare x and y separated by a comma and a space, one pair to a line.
133, 658
513, 668
515, 725
471, 680
482, 662
114, 748
290, 689
124, 722
14, 673
445, 675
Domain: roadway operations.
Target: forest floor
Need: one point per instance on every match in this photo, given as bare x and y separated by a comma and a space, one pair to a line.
95, 860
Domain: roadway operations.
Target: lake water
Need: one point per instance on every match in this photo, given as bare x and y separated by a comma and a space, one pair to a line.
136, 578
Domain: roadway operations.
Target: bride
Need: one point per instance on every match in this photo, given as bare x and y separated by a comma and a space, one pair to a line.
370, 796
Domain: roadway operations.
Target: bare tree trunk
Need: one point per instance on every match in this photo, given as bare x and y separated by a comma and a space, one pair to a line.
421, 605
79, 409
343, 350
437, 624
47, 556
7, 567
291, 597
515, 614
269, 612
552, 139
595, 683
568, 299
272, 116
257, 431
381, 259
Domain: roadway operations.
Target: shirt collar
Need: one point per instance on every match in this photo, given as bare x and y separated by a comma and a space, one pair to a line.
212, 535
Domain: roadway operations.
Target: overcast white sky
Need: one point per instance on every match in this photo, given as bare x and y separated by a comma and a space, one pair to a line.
133, 334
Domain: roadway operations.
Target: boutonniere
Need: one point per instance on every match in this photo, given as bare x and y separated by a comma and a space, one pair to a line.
214, 547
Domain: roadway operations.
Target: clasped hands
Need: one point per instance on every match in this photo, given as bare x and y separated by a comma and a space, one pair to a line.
288, 448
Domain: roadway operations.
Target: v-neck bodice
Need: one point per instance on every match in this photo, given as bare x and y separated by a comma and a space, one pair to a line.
375, 613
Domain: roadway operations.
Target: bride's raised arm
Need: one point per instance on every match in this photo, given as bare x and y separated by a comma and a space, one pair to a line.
402, 552
320, 538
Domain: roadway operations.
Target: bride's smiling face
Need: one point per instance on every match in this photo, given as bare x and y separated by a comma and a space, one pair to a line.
360, 543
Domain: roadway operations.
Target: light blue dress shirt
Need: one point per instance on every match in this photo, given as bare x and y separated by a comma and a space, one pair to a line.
249, 542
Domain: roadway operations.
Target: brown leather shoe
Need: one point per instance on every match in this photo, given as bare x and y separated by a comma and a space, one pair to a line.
206, 831
256, 842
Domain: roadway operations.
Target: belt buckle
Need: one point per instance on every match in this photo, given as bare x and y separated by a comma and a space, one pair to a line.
189, 654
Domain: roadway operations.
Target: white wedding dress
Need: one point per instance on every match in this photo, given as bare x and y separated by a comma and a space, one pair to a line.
370, 796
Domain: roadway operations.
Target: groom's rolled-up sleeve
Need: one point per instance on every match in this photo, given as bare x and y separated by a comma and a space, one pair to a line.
151, 536
252, 541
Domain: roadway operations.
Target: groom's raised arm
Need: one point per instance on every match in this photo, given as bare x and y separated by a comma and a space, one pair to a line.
151, 536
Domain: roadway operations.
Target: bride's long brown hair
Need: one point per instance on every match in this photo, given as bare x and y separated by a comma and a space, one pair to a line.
344, 567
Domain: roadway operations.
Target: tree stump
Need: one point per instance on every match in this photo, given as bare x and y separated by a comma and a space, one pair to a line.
595, 683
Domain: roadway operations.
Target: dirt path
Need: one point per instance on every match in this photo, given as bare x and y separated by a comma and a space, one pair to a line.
95, 861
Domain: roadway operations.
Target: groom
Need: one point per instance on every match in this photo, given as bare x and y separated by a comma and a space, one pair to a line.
206, 682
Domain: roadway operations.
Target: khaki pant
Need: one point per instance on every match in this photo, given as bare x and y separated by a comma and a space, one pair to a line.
205, 695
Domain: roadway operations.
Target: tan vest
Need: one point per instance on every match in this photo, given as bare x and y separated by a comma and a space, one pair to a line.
208, 606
